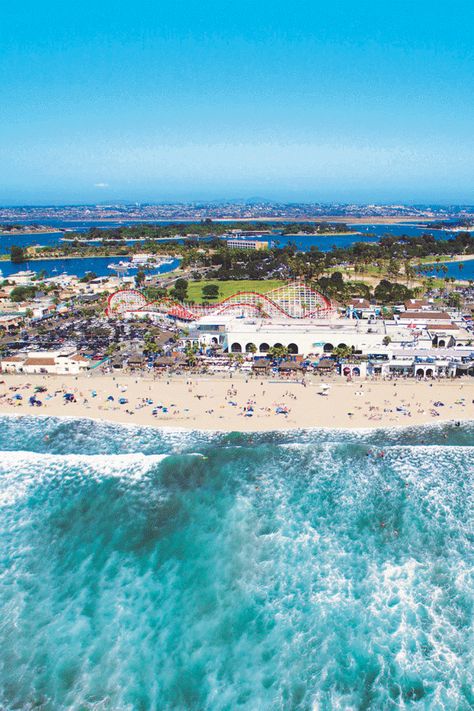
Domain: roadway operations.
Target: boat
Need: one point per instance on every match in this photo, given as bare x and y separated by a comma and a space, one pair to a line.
120, 267
141, 261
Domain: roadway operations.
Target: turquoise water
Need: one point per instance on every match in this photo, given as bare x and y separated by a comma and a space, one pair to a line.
166, 570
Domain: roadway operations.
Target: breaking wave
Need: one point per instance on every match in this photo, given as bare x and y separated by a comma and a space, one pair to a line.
146, 569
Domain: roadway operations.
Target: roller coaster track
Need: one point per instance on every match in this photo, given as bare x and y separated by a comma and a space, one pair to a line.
293, 301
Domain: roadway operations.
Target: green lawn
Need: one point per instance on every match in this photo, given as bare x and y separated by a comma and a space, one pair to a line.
227, 288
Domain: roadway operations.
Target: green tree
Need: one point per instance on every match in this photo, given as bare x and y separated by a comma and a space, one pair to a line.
278, 351
393, 268
210, 291
151, 347
88, 276
387, 292
22, 293
17, 254
342, 352
191, 355
154, 293
454, 300
410, 271
139, 278
180, 290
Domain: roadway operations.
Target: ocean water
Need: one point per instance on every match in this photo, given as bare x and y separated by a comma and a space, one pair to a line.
319, 570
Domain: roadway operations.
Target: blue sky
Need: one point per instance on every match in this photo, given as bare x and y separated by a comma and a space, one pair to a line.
366, 101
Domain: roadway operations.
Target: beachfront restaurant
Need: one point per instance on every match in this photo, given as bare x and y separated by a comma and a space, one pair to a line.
414, 366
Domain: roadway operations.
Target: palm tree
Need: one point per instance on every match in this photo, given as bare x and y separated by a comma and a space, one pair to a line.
342, 352
190, 354
278, 352
410, 272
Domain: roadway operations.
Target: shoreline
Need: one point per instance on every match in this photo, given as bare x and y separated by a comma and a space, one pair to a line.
188, 430
224, 404
347, 219
29, 233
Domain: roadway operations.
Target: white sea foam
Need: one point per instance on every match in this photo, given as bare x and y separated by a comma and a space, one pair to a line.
306, 575
19, 471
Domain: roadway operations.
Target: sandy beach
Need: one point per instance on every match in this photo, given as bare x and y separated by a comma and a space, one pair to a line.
222, 403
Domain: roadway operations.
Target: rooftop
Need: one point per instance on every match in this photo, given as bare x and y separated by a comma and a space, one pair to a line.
40, 361
426, 315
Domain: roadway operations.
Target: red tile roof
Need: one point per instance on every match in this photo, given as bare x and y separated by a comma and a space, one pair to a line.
40, 361
426, 316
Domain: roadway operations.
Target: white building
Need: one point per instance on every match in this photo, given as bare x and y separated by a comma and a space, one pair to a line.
43, 362
424, 363
247, 244
391, 347
302, 336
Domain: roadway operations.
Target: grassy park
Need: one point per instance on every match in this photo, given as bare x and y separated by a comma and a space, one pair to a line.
228, 288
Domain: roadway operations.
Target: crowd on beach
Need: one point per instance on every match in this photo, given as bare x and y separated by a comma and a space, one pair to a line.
117, 399
223, 404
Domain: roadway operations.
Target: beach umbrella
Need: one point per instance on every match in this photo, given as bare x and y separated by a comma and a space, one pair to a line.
18, 397
110, 398
324, 386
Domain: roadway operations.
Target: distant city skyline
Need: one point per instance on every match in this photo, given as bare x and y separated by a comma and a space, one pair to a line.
255, 209
363, 102
239, 202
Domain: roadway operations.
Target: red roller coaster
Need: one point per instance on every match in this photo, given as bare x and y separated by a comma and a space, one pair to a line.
295, 300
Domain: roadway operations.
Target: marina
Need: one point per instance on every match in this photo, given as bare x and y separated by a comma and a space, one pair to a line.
101, 266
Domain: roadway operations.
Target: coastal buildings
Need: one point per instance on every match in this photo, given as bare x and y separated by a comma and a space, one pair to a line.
305, 323
43, 362
252, 244
303, 337
238, 210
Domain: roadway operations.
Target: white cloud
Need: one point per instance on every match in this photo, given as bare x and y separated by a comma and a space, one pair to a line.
101, 185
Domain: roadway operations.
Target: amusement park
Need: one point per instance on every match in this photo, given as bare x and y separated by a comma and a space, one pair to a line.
293, 301
294, 317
